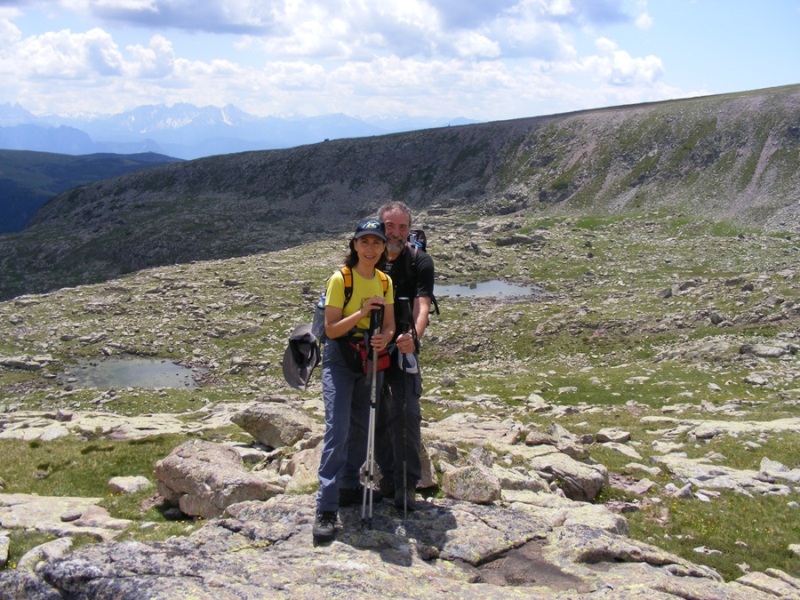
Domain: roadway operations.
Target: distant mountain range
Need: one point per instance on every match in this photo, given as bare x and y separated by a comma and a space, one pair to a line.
187, 131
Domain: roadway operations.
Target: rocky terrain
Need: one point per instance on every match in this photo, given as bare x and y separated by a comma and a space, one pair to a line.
630, 429
730, 157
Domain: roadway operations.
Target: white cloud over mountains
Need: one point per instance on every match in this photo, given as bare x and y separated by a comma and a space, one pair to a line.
485, 60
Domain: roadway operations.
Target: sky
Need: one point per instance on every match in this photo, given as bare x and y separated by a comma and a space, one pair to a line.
483, 60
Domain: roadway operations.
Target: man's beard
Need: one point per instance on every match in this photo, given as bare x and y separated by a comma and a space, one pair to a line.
395, 246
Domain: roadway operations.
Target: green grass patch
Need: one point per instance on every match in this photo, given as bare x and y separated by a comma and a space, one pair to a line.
71, 467
738, 530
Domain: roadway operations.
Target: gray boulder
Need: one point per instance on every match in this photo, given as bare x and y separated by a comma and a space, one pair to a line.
302, 468
204, 478
613, 434
567, 443
128, 484
38, 556
578, 480
274, 425
476, 484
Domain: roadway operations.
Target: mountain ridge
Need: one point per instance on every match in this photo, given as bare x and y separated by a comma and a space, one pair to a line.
728, 157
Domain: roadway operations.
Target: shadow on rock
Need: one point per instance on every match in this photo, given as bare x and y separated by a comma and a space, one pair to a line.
423, 534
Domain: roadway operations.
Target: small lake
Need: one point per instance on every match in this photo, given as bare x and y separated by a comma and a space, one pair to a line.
490, 289
129, 372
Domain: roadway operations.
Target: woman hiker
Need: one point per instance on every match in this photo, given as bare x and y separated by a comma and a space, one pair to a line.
345, 386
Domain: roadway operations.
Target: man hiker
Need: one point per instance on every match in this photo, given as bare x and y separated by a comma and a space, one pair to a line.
398, 435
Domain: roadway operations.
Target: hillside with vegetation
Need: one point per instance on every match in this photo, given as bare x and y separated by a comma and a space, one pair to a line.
29, 179
731, 157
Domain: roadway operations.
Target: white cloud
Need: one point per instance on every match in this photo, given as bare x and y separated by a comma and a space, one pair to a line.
533, 38
558, 8
148, 5
10, 34
363, 57
475, 45
618, 67
67, 55
157, 60
644, 21
415, 28
220, 16
330, 39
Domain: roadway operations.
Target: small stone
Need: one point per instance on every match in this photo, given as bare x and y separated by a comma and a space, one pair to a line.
71, 515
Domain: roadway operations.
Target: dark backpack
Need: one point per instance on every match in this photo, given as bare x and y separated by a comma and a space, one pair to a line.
417, 238
417, 241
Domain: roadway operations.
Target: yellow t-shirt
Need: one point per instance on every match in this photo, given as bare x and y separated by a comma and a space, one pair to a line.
363, 289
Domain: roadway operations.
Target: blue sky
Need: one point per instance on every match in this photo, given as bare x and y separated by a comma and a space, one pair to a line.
484, 60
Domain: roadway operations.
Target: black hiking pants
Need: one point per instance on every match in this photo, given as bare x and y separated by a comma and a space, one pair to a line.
401, 391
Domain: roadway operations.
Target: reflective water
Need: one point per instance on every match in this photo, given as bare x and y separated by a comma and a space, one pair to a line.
490, 289
129, 372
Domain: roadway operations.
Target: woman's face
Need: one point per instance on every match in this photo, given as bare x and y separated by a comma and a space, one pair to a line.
369, 249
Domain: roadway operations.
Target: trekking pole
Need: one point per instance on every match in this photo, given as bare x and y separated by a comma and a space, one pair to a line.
405, 325
375, 322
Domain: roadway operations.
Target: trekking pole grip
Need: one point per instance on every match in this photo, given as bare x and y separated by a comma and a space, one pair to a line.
404, 314
376, 321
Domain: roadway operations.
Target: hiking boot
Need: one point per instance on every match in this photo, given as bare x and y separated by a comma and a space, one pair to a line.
386, 487
409, 496
352, 496
324, 529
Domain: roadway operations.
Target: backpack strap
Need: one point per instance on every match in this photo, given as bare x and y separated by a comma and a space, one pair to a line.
414, 250
384, 281
347, 274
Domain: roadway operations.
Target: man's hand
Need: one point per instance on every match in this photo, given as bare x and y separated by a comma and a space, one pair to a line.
405, 343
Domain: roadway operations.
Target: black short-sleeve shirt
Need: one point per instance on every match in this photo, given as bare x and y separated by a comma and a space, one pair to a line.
412, 275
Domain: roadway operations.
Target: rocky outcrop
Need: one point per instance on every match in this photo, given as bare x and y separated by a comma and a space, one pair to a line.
63, 516
681, 395
45, 426
499, 534
444, 549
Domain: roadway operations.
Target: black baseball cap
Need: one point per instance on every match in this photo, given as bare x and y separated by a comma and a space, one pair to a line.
370, 227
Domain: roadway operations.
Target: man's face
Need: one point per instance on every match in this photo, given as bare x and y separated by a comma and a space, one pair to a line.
397, 227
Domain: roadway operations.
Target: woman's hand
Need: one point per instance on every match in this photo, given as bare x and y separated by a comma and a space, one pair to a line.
378, 341
374, 303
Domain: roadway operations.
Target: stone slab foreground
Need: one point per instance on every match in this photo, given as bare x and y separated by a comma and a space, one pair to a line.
445, 549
